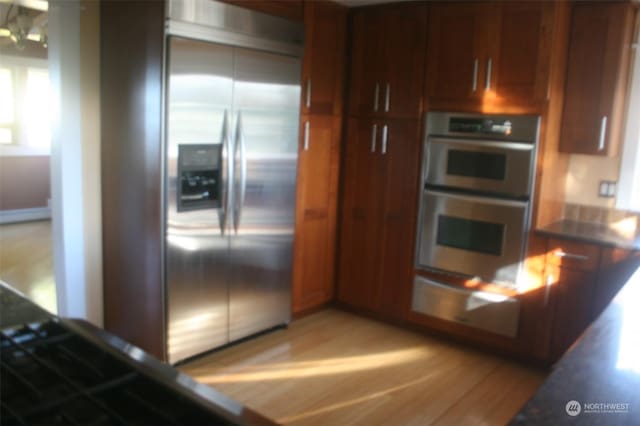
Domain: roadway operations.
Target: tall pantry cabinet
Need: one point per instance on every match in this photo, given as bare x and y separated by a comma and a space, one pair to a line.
319, 154
381, 164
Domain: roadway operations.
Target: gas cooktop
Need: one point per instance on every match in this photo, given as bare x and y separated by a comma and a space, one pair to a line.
66, 372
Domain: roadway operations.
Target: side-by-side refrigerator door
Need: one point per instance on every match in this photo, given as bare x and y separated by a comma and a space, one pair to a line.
199, 93
265, 116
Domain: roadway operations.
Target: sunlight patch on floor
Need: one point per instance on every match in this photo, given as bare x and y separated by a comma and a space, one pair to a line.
323, 367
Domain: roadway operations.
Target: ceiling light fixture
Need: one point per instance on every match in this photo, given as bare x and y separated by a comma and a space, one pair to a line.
21, 29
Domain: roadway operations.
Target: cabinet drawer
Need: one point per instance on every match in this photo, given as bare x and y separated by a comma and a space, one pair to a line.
487, 311
571, 254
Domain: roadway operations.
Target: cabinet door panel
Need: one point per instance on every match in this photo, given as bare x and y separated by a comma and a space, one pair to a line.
323, 67
616, 266
596, 77
405, 30
361, 209
401, 165
573, 293
455, 44
520, 51
367, 55
314, 276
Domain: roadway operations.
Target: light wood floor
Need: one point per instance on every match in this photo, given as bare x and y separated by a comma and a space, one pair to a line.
335, 368
26, 261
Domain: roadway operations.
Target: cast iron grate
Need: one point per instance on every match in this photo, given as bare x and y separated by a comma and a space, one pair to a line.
51, 376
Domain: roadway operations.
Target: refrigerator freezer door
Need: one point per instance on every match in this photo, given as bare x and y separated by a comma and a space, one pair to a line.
266, 115
199, 95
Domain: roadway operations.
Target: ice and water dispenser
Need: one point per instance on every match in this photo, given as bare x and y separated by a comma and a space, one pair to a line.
199, 179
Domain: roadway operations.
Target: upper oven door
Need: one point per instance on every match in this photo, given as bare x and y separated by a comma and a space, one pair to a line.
477, 236
491, 166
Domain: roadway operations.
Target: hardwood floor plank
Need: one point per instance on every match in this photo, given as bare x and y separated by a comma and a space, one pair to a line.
26, 261
336, 368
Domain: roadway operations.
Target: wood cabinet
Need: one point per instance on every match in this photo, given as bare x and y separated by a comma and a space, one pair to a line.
387, 60
596, 80
324, 60
572, 293
378, 214
319, 155
314, 258
489, 55
571, 274
583, 279
616, 266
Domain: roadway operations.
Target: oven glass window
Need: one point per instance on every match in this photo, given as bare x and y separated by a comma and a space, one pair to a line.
487, 165
473, 235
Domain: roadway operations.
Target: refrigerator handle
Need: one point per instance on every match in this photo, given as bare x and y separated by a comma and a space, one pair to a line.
224, 193
239, 157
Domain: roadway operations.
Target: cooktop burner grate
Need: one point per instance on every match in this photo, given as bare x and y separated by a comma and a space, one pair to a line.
52, 376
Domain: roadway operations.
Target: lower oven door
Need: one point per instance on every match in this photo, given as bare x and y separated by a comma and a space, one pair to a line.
478, 236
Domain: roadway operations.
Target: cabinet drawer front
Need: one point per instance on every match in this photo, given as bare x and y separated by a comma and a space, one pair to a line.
571, 254
487, 311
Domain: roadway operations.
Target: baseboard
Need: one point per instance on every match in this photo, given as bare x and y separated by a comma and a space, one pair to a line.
24, 215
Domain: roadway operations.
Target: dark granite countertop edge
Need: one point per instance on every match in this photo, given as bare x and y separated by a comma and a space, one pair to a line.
601, 367
589, 233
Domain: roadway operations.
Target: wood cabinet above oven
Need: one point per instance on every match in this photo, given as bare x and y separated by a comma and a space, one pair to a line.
489, 56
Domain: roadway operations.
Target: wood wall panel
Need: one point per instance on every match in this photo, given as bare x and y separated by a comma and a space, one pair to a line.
131, 110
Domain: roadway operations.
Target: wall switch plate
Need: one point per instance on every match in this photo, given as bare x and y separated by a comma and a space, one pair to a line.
607, 189
604, 189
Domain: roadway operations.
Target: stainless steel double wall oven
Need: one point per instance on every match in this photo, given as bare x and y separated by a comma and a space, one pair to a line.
475, 207
477, 176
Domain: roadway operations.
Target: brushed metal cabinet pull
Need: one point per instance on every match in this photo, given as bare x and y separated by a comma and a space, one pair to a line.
474, 80
306, 135
308, 95
487, 85
603, 133
547, 289
387, 100
376, 96
374, 135
385, 139
565, 255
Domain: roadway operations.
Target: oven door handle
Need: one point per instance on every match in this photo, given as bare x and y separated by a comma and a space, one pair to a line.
512, 146
478, 198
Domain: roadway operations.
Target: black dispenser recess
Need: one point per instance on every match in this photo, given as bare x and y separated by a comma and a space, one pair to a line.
199, 176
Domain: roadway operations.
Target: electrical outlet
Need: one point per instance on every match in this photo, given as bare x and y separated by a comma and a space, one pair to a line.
607, 189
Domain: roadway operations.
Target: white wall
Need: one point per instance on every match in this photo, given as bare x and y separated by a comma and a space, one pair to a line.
585, 174
75, 157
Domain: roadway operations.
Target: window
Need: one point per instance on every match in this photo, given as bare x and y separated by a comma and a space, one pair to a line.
25, 106
629, 185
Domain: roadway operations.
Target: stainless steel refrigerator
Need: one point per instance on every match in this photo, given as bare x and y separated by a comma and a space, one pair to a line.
232, 122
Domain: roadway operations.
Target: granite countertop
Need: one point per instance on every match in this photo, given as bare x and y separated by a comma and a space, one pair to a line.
597, 382
591, 233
